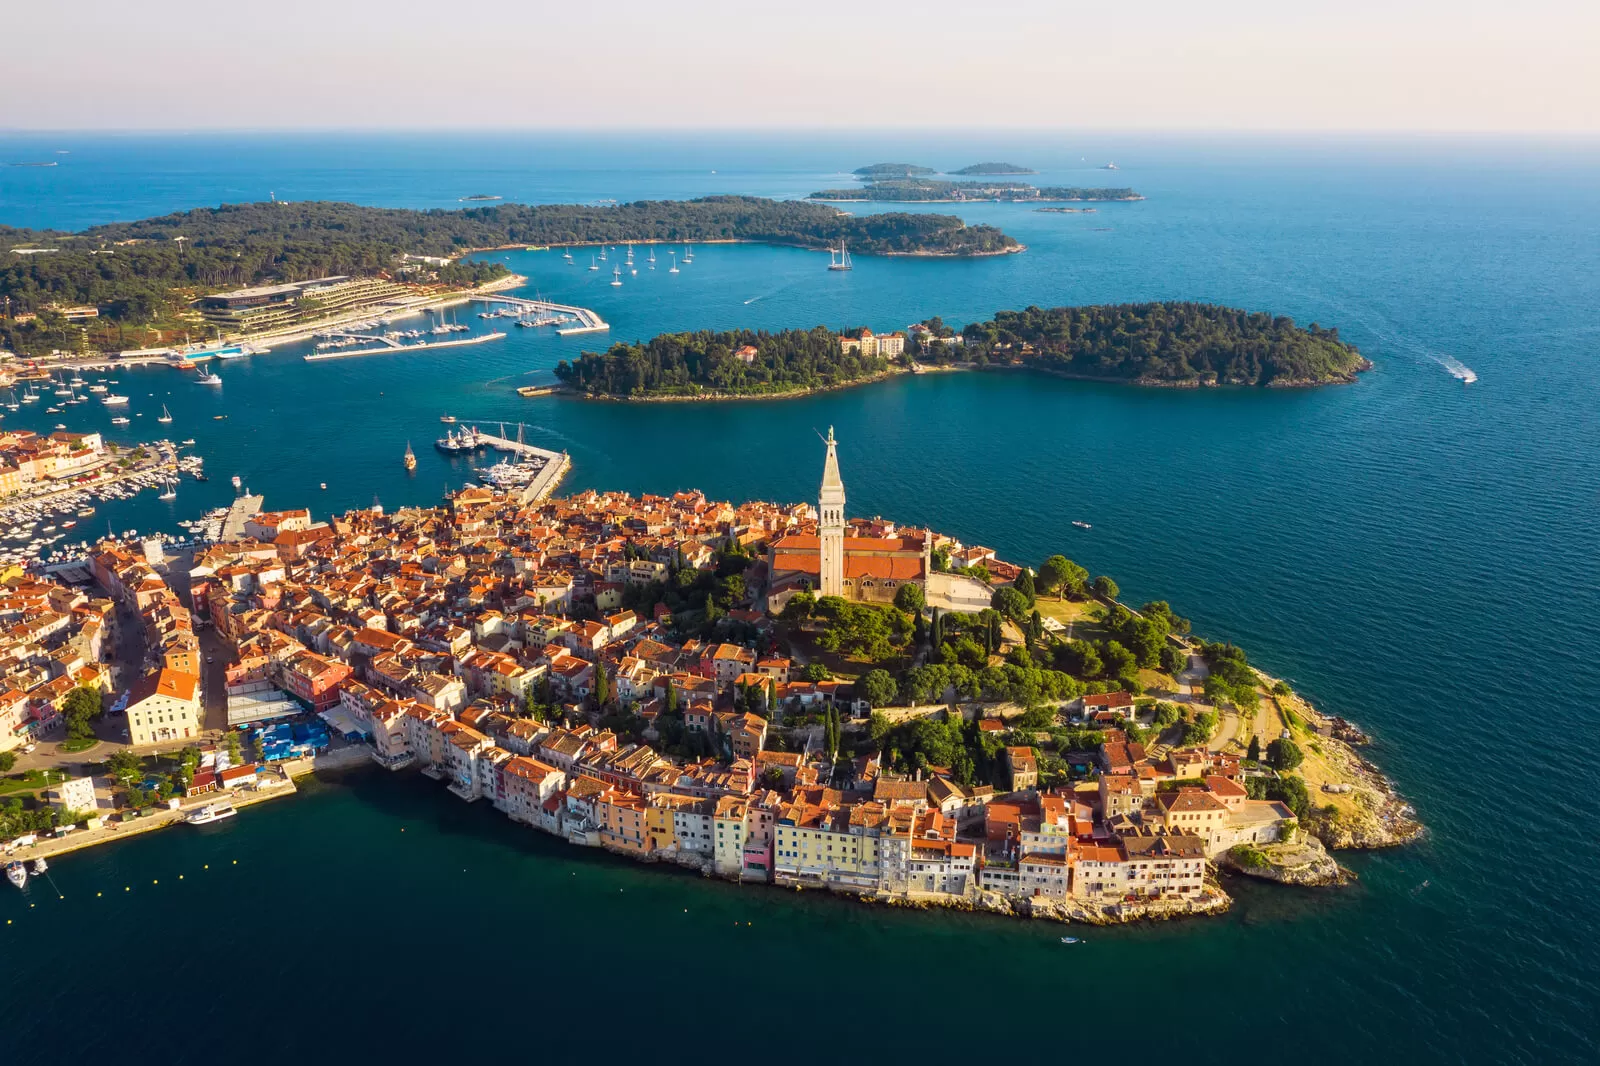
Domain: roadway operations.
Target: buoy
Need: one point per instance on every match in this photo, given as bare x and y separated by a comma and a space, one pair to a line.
125, 888
208, 866
180, 877
236, 862
97, 895
156, 882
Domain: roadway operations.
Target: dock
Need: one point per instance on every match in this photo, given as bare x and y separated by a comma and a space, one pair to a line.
556, 464
589, 322
390, 346
240, 511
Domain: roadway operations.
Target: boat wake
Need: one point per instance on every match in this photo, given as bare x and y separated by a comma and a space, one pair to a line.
1457, 369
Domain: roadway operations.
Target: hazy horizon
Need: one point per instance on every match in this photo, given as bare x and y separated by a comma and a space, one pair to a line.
1402, 66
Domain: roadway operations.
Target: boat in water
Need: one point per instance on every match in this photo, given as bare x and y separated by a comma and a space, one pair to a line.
1070, 940
113, 400
840, 260
17, 874
238, 482
447, 419
616, 277
166, 415
38, 866
411, 457
211, 812
207, 378
120, 421
1081, 524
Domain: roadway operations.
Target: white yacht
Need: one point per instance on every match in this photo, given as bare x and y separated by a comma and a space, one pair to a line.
211, 812
166, 415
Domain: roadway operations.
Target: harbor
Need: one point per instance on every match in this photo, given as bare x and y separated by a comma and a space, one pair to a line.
587, 320
533, 473
390, 345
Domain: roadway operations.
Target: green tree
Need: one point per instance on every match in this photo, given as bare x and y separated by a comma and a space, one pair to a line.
878, 687
1284, 754
1253, 752
1105, 587
602, 686
80, 709
1166, 713
125, 767
909, 598
8, 761
1025, 585
1063, 576
1009, 602
816, 672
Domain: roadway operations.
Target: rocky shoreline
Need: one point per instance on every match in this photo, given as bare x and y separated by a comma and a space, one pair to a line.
1304, 862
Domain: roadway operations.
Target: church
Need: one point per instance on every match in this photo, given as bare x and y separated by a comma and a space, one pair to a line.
838, 560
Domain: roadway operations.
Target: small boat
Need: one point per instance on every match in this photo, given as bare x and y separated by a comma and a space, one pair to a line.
616, 278
211, 812
447, 418
207, 378
17, 874
592, 264
1070, 940
218, 418
674, 269
38, 866
411, 457
113, 400
120, 421
170, 492
237, 481
166, 415
567, 255
1081, 525
840, 260
323, 485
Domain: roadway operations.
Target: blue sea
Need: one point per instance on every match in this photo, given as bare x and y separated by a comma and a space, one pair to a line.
1415, 553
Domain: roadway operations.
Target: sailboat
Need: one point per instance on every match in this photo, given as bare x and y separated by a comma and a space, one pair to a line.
602, 253
616, 277
674, 269
688, 254
630, 255
652, 259
567, 255
592, 264
839, 260
411, 457
166, 415
170, 492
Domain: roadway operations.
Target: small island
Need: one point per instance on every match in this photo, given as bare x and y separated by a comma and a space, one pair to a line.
927, 190
992, 170
1154, 344
881, 171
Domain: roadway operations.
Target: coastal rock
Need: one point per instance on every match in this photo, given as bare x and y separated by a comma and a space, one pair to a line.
1305, 862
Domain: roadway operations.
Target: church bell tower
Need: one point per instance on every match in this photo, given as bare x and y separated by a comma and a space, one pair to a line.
830, 524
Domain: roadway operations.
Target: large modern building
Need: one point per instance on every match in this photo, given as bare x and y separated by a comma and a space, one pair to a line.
271, 306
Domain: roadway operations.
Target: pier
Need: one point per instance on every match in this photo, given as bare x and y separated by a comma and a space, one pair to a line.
390, 346
555, 467
589, 322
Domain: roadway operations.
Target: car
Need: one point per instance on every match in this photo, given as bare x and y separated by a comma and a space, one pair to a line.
29, 748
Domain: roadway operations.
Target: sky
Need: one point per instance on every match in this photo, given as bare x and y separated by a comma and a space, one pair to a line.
1381, 65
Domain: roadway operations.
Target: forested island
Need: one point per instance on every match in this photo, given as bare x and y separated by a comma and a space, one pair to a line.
1181, 344
992, 169
136, 273
926, 190
881, 171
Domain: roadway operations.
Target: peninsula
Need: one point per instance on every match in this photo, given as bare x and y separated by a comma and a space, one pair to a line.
1172, 344
92, 288
766, 693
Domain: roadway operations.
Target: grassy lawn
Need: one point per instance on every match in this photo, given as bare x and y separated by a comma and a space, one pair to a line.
73, 747
26, 782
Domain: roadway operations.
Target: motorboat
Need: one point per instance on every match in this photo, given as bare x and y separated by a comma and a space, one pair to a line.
113, 400
17, 874
38, 866
1081, 525
211, 812
1070, 940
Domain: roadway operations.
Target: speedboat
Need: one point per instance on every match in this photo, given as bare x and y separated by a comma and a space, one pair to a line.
1082, 525
17, 874
38, 866
211, 812
447, 418
113, 400
1070, 940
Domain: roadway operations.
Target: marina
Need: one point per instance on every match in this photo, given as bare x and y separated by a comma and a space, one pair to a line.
389, 346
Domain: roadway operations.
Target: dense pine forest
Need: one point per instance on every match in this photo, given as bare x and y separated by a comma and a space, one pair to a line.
1163, 343
689, 364
1149, 344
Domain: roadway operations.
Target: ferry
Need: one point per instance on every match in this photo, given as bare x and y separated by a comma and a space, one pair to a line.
211, 812
17, 874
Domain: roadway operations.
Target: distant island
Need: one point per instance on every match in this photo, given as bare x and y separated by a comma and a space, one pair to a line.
881, 171
926, 190
479, 196
992, 169
1171, 344
150, 273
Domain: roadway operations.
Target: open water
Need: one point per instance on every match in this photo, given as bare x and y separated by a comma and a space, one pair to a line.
1414, 553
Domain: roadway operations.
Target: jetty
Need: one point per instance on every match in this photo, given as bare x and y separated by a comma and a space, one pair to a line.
556, 464
588, 321
390, 345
